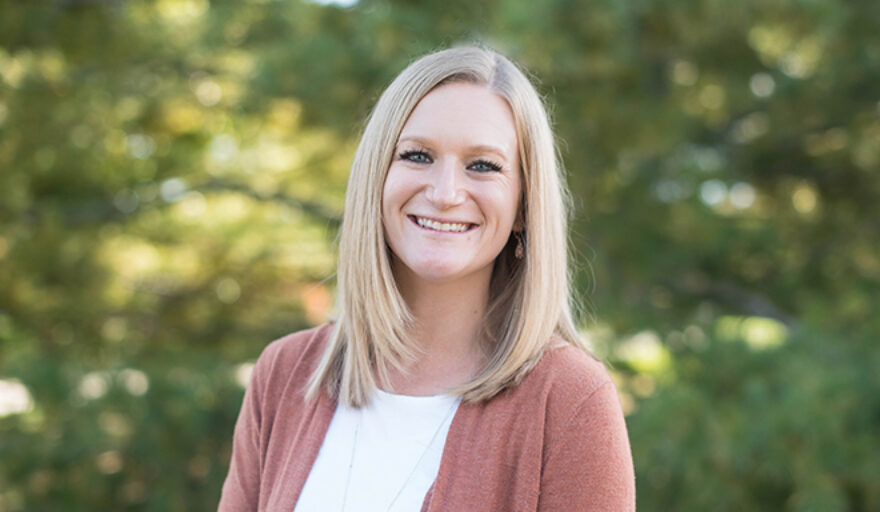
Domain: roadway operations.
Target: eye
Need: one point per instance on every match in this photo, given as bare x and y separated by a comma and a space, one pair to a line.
484, 166
418, 157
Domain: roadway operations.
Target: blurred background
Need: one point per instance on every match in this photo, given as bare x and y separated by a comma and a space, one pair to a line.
172, 175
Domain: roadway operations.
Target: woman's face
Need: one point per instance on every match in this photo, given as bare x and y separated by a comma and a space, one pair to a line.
452, 192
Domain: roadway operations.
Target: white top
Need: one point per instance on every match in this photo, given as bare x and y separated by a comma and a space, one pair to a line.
383, 457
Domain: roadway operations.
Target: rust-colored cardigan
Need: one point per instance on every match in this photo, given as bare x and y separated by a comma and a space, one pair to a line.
556, 442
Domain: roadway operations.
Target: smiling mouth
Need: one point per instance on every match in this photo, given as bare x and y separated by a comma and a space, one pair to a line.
443, 227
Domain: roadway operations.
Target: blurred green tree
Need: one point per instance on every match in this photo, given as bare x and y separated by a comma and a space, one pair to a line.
172, 173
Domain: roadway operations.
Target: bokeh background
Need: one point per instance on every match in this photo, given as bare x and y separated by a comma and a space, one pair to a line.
172, 176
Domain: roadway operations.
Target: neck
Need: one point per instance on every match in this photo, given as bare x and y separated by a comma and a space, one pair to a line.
448, 328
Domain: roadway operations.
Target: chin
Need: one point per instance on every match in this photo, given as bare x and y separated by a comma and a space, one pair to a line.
437, 272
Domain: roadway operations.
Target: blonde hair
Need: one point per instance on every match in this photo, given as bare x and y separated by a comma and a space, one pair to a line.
529, 299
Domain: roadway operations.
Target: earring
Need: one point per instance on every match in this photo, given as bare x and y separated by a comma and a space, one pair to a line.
520, 251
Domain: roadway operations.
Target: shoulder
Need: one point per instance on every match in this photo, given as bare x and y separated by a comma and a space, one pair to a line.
573, 391
568, 376
566, 385
586, 456
293, 356
298, 344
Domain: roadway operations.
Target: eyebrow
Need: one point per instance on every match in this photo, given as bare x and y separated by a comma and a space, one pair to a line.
478, 148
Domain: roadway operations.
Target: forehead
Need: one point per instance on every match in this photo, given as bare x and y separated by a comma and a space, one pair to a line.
463, 113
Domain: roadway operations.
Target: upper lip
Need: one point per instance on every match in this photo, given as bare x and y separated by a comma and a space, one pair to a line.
445, 221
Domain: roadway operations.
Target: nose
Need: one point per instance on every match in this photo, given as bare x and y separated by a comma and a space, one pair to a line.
445, 188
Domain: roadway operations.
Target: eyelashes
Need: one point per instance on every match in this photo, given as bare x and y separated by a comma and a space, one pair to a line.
416, 156
420, 156
484, 165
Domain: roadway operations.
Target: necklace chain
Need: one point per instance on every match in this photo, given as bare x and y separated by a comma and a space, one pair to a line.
412, 472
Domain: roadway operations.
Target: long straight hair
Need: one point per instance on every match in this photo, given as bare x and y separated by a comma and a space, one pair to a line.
529, 298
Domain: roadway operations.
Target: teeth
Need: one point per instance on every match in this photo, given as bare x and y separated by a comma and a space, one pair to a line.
441, 226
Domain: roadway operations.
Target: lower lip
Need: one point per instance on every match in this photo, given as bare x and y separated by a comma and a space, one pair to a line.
424, 228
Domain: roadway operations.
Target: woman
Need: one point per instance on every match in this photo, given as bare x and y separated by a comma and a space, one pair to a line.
453, 378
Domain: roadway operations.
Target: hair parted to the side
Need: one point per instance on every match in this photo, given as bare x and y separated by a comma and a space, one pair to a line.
529, 299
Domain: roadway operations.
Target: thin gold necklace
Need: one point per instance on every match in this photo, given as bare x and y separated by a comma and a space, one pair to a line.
412, 472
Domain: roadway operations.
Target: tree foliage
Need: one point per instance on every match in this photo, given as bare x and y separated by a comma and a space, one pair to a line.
172, 174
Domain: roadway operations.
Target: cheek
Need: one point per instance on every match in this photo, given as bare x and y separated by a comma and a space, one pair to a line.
505, 204
398, 189
389, 194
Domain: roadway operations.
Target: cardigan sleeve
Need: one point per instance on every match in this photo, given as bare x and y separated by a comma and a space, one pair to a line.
241, 489
588, 464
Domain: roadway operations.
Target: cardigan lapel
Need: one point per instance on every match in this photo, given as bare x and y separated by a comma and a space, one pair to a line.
300, 454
